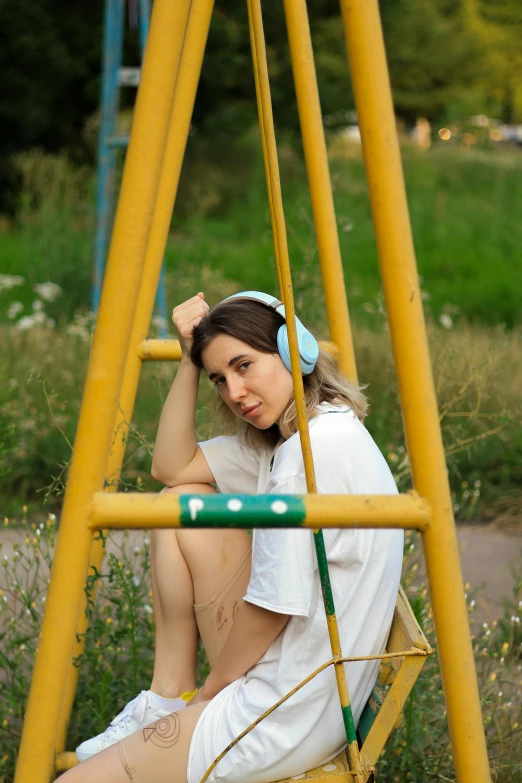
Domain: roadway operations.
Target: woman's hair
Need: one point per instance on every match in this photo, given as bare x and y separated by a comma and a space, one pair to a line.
257, 325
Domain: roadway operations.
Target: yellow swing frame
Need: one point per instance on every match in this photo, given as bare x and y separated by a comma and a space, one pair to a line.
170, 76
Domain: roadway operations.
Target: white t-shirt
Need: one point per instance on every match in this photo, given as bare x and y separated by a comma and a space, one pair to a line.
365, 567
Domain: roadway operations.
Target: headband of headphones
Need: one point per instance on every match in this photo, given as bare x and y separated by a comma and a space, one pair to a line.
308, 347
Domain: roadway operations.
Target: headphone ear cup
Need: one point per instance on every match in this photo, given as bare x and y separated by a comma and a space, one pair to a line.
308, 349
283, 347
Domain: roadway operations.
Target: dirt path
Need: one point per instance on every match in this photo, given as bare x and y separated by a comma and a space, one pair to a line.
491, 559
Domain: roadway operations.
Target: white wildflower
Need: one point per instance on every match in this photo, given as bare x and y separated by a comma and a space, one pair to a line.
22, 647
148, 609
78, 330
29, 321
136, 581
10, 281
472, 604
136, 550
446, 321
38, 306
48, 291
14, 309
28, 611
52, 517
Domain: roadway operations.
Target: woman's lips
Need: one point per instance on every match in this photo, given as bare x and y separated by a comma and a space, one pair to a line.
250, 411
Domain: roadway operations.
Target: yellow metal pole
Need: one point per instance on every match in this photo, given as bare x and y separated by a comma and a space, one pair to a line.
398, 268
280, 242
140, 326
275, 199
319, 183
100, 401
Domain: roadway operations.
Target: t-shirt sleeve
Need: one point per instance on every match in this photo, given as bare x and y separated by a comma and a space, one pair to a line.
234, 465
283, 562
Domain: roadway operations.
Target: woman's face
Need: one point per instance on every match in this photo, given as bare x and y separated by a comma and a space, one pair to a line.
256, 386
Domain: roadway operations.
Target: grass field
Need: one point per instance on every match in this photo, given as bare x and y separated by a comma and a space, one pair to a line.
465, 209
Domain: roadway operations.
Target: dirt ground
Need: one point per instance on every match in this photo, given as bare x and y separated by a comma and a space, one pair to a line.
492, 560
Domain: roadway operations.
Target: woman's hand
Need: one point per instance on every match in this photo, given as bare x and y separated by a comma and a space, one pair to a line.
186, 316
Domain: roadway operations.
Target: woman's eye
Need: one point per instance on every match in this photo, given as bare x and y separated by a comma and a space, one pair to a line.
219, 382
244, 365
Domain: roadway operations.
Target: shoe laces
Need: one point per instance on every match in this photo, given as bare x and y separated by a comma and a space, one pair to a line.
134, 709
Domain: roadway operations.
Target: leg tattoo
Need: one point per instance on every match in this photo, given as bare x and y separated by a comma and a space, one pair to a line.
164, 733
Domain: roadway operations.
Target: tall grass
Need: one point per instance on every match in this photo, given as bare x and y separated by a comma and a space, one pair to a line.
464, 206
481, 411
118, 656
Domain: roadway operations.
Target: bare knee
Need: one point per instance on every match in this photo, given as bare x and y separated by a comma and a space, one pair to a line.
181, 489
190, 489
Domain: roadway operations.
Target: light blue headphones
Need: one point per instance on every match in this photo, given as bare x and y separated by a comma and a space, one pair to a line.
308, 347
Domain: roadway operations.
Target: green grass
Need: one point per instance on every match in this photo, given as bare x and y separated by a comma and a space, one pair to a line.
465, 215
465, 210
117, 658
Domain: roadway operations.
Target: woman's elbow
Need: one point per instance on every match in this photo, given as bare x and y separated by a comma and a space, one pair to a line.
160, 475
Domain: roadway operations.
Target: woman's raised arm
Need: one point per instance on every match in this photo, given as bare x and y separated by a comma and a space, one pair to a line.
177, 458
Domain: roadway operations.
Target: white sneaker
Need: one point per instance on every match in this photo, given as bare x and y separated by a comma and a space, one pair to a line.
138, 713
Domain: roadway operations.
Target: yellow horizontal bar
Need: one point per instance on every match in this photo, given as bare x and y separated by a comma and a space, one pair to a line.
137, 510
170, 350
159, 350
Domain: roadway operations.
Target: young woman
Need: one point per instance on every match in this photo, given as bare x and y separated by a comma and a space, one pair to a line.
256, 605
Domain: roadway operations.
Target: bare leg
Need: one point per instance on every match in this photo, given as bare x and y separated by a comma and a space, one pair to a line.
188, 567
149, 762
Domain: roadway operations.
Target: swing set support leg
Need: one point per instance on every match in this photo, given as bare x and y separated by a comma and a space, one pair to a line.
319, 183
102, 391
167, 188
410, 346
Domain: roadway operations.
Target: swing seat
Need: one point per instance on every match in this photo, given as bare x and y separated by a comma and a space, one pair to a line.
383, 710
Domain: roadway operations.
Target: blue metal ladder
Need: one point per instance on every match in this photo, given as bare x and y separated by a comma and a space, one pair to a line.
115, 76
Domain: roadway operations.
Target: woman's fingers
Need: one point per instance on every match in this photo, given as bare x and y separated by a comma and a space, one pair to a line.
187, 315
